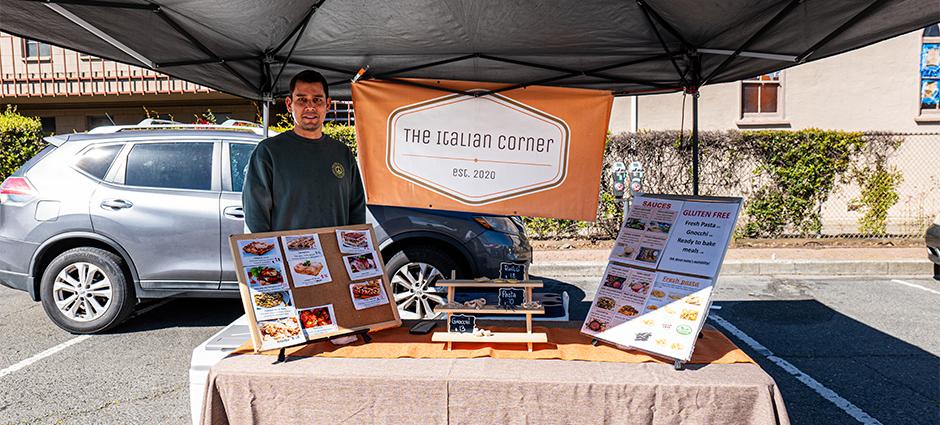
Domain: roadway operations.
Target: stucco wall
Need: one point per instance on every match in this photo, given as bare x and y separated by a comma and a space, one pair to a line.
873, 88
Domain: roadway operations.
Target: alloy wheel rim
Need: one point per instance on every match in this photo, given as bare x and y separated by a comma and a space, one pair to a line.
82, 292
414, 290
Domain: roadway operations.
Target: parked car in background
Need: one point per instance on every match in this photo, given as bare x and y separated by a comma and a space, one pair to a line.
933, 245
97, 221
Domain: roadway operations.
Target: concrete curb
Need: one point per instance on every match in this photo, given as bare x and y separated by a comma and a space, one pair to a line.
763, 268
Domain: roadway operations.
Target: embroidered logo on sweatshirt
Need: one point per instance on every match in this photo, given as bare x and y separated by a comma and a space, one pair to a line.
338, 170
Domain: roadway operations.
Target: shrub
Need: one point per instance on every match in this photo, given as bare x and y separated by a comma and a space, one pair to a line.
20, 139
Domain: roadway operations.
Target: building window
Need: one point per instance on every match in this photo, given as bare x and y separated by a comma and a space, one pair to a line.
35, 50
48, 125
930, 71
93, 121
762, 99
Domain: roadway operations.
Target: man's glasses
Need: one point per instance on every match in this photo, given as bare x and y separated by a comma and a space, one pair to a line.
308, 101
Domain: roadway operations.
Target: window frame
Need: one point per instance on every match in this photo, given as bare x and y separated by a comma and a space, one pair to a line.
925, 115
763, 118
116, 175
38, 58
114, 162
227, 183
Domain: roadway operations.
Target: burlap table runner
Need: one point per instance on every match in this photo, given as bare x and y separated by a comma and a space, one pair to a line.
565, 343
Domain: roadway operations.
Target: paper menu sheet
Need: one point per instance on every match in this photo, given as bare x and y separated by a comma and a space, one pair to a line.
645, 232
666, 322
699, 238
656, 289
620, 297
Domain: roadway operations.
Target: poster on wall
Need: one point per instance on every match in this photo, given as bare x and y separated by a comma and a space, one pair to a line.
659, 302
518, 152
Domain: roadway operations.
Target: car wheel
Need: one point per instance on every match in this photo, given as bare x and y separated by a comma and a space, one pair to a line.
936, 271
84, 290
413, 272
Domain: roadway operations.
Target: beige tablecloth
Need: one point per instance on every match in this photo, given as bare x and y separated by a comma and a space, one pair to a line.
249, 389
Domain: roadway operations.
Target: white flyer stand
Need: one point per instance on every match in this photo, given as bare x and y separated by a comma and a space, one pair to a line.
656, 291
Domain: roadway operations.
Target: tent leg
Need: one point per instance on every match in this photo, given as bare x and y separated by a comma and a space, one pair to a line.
266, 116
695, 153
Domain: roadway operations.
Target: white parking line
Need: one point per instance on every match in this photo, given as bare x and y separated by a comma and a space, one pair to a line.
914, 285
834, 398
43, 355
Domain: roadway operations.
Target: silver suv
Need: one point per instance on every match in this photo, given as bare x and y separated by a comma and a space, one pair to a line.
99, 220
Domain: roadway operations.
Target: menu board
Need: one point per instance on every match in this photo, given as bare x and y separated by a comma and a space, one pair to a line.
303, 285
654, 294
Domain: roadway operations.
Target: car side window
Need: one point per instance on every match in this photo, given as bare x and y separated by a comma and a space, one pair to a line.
170, 165
239, 154
96, 161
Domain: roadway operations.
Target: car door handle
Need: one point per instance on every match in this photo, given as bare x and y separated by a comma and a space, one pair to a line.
234, 212
115, 204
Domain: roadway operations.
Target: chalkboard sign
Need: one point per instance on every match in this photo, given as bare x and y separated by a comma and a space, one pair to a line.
461, 323
512, 271
511, 297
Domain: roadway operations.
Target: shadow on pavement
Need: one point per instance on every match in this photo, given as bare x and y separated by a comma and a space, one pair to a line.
893, 381
577, 307
182, 312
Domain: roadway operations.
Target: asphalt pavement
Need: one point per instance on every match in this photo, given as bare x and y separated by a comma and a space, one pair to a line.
843, 350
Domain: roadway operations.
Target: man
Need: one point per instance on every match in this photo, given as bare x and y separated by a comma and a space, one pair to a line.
302, 178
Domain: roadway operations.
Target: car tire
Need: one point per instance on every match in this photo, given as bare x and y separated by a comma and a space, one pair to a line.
413, 271
84, 290
936, 271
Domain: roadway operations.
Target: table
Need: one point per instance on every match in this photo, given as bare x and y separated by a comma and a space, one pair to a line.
249, 389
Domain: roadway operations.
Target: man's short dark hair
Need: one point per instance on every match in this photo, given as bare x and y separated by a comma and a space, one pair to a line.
310, 76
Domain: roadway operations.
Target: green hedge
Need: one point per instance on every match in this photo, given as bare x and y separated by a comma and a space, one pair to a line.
784, 176
342, 132
20, 139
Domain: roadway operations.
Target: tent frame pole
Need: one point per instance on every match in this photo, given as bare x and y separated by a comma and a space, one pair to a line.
695, 151
842, 28
94, 3
266, 116
649, 20
206, 61
192, 39
773, 21
300, 34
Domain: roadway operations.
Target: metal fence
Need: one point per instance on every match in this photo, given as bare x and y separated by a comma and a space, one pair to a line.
917, 159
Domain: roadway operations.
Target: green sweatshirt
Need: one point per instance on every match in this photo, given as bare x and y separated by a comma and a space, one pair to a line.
298, 183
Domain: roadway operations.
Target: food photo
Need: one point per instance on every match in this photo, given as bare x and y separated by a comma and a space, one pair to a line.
353, 241
264, 275
271, 299
370, 289
309, 267
606, 303
257, 247
279, 329
300, 243
362, 265
316, 317
615, 282
628, 310
648, 255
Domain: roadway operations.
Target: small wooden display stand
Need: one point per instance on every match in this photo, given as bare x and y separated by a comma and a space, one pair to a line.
499, 337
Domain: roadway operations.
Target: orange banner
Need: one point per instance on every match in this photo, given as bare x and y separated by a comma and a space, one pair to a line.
535, 151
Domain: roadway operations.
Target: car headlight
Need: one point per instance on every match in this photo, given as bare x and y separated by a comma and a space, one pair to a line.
498, 224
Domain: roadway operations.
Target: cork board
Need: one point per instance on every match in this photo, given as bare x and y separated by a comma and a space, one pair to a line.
300, 285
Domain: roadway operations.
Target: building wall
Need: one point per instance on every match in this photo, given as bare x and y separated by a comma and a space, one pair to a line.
876, 88
873, 88
76, 89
